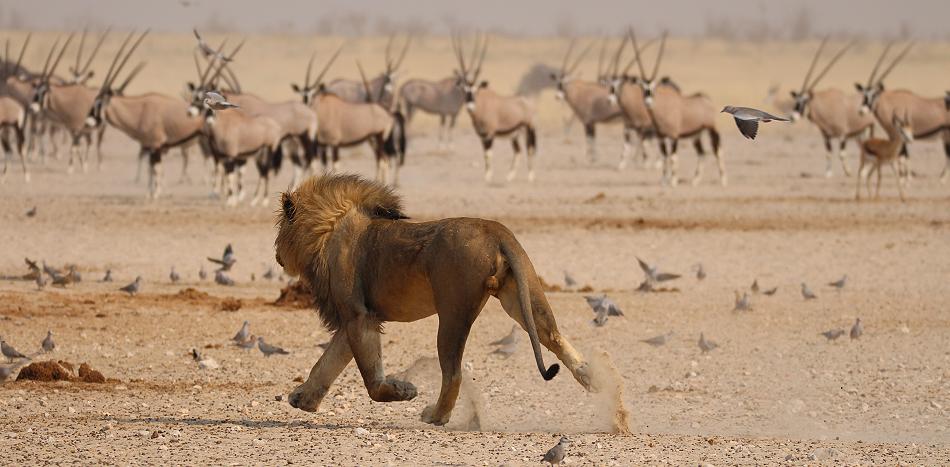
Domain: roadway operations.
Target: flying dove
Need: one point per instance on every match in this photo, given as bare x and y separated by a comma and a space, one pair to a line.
216, 101
227, 259
748, 119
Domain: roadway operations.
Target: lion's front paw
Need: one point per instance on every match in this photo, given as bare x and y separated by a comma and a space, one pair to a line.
429, 416
308, 401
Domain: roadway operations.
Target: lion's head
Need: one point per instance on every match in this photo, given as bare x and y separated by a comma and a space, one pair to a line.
309, 215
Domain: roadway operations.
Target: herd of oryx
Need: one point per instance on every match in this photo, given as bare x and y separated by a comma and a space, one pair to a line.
36, 109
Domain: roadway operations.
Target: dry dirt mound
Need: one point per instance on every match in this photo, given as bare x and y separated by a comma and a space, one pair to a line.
295, 295
60, 371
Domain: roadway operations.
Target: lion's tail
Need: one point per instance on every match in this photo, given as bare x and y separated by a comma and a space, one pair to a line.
516, 259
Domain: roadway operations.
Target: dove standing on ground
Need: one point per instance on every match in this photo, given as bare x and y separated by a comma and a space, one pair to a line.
743, 302
31, 212
748, 119
173, 276
840, 283
248, 343
221, 278
511, 337
569, 281
557, 454
657, 341
227, 259
807, 294
755, 286
833, 334
508, 348
243, 334
268, 349
268, 274
108, 276
40, 281
706, 345
857, 329
133, 288
202, 274
73, 274
48, 344
700, 271
9, 352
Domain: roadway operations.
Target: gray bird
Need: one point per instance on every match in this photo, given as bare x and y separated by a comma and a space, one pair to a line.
31, 212
755, 286
134, 287
700, 271
173, 276
508, 349
557, 454
222, 279
569, 280
268, 349
33, 267
748, 119
202, 274
508, 339
108, 276
48, 344
268, 274
227, 259
833, 334
40, 281
248, 343
206, 49
9, 352
5, 372
215, 101
807, 294
743, 302
243, 333
840, 283
195, 355
653, 273
771, 291
73, 274
601, 317
603, 301
657, 341
706, 345
51, 271
857, 329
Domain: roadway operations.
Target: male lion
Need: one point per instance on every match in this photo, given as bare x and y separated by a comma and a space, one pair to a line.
346, 238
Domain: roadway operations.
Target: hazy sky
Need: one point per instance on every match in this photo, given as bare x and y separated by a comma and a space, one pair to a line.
918, 18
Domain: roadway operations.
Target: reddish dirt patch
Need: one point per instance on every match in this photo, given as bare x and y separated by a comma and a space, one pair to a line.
295, 295
59, 371
193, 295
231, 304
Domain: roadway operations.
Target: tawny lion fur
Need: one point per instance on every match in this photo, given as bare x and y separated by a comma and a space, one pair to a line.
348, 239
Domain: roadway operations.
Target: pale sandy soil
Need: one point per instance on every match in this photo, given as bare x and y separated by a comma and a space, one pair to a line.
774, 392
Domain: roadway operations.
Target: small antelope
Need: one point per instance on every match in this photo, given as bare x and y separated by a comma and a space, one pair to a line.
383, 85
343, 123
834, 112
927, 117
875, 152
443, 98
676, 116
494, 115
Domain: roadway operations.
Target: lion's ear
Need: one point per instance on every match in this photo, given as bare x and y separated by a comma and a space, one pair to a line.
289, 208
387, 213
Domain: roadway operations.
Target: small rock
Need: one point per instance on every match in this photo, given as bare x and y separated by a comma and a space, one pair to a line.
362, 432
72, 409
255, 403
279, 397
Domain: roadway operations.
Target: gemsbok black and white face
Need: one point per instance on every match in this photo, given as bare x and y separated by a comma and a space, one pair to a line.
800, 104
869, 95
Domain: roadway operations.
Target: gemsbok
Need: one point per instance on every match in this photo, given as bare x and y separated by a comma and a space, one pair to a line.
590, 102
12, 123
443, 98
155, 121
343, 124
236, 136
875, 152
832, 110
673, 116
383, 85
927, 116
494, 115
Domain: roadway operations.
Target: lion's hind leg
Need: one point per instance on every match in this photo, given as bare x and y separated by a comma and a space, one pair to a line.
363, 335
334, 360
548, 333
457, 312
